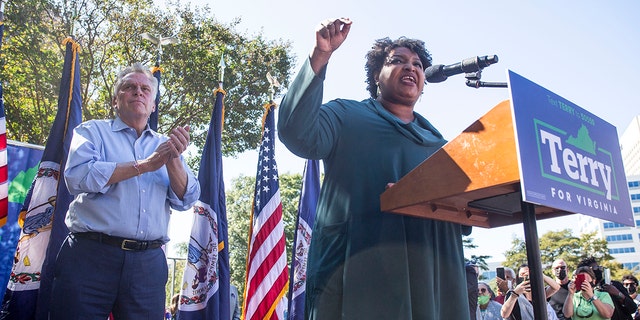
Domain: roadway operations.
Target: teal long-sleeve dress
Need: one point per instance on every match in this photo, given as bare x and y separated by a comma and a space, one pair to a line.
364, 263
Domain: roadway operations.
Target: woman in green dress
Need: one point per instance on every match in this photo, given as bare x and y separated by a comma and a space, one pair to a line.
364, 263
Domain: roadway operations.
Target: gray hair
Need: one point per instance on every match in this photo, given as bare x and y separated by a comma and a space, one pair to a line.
136, 67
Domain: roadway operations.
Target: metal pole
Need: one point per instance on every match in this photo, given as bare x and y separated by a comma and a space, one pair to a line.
534, 261
173, 278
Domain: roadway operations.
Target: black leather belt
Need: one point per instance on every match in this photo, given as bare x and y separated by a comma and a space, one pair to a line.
122, 243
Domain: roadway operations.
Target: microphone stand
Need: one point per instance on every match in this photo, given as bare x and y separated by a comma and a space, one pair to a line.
473, 80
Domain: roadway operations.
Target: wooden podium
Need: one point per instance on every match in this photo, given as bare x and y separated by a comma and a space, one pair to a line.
472, 180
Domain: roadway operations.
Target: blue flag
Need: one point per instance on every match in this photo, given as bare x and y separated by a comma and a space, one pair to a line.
153, 117
205, 289
302, 238
44, 230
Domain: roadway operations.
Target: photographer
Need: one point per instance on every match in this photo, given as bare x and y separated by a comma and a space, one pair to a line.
517, 304
590, 302
624, 306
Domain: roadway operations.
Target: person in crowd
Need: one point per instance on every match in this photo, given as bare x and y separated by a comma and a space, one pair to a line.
630, 282
126, 178
561, 274
472, 274
624, 306
234, 302
173, 309
488, 308
518, 302
359, 257
506, 284
587, 302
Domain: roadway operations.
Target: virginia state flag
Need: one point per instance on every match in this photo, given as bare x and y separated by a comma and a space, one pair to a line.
205, 284
44, 230
302, 238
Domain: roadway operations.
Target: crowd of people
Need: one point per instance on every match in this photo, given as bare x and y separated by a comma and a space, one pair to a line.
585, 293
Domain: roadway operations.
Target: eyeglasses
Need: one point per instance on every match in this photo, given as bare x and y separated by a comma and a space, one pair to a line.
597, 268
560, 267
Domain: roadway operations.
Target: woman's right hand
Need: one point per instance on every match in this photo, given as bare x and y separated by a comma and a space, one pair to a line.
330, 34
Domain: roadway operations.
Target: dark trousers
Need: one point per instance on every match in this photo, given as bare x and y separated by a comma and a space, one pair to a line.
93, 279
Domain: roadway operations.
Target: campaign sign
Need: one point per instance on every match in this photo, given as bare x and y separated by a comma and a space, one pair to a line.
569, 158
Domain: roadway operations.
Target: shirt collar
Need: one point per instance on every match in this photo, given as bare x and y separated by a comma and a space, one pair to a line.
119, 125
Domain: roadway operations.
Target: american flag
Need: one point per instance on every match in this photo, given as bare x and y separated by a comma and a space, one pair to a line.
4, 172
267, 272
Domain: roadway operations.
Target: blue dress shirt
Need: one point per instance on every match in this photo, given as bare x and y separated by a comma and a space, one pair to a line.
135, 208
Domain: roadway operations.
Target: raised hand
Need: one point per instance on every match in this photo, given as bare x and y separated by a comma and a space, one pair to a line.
330, 34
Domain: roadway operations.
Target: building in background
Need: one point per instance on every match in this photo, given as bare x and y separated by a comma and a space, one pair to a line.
624, 241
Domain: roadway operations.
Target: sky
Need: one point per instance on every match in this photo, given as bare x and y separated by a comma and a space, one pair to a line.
585, 51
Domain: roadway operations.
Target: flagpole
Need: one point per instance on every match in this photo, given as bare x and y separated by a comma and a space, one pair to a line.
157, 71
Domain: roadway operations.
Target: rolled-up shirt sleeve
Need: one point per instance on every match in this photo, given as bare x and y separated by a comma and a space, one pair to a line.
85, 169
190, 196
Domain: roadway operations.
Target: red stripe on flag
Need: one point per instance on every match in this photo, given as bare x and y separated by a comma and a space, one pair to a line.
4, 173
265, 305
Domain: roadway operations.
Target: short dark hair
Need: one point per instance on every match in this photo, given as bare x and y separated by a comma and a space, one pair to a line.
630, 277
380, 51
587, 262
586, 269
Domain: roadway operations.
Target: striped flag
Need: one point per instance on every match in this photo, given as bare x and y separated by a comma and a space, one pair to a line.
205, 289
4, 171
302, 239
44, 230
267, 275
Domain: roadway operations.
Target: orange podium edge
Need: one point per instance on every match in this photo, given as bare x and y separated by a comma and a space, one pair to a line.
473, 180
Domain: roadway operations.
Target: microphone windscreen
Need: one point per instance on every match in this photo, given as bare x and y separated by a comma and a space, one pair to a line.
435, 74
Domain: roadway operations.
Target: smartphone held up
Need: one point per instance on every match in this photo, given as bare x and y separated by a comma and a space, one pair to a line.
579, 280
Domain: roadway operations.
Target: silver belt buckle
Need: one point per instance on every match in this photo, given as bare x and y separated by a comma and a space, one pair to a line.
122, 246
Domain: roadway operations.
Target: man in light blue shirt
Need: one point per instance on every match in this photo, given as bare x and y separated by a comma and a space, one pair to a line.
125, 178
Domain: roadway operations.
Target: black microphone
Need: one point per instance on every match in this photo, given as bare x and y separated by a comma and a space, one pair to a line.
439, 73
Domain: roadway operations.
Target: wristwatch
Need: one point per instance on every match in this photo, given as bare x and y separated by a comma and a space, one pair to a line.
594, 297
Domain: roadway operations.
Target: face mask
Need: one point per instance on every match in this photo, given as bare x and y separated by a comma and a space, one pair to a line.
482, 299
562, 274
632, 289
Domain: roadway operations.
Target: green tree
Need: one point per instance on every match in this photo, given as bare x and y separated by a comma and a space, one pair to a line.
481, 260
109, 34
561, 244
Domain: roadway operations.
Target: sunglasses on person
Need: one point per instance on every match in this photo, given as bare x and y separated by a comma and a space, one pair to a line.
482, 290
560, 267
627, 285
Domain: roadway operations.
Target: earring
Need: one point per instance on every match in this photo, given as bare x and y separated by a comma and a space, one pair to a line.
377, 89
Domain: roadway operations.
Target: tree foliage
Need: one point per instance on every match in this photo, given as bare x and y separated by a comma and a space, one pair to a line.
109, 34
564, 245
